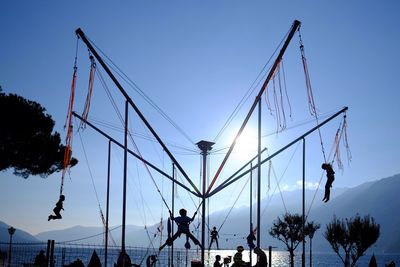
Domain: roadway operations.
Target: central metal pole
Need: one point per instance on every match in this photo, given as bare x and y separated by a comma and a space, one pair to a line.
205, 147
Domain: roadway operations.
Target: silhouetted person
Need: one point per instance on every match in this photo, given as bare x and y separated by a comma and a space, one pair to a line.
237, 258
57, 209
77, 263
262, 260
40, 259
151, 260
94, 260
330, 175
217, 263
214, 237
250, 240
183, 223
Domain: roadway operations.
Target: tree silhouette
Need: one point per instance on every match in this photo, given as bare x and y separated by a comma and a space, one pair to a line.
354, 236
309, 230
27, 143
289, 231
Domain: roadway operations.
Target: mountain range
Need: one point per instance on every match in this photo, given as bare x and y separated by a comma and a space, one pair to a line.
378, 199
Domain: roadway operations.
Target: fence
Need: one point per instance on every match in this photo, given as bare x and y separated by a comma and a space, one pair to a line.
23, 255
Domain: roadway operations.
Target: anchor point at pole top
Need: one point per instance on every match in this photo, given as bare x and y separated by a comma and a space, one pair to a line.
205, 146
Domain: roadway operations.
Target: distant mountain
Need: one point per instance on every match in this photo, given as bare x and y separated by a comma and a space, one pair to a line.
379, 199
92, 234
19, 236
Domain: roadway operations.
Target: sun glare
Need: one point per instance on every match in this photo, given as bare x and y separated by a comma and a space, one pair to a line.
247, 144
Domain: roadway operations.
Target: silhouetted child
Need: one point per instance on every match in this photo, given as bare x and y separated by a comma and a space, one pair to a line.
217, 259
183, 223
40, 259
250, 240
57, 209
151, 260
330, 175
261, 258
214, 237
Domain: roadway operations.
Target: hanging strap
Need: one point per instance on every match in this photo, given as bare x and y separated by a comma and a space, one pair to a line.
85, 112
68, 123
311, 101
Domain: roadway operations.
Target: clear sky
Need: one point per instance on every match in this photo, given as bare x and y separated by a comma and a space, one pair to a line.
196, 60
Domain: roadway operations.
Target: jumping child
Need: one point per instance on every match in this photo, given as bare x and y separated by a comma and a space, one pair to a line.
57, 209
183, 223
214, 237
330, 175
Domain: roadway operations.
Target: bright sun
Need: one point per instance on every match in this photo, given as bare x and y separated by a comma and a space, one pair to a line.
246, 146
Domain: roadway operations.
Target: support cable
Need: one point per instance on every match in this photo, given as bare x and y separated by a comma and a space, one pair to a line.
134, 86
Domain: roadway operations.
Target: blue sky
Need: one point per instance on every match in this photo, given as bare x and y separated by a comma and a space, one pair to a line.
196, 60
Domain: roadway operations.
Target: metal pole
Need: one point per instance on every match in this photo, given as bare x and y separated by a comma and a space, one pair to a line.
203, 207
303, 256
107, 202
310, 251
251, 208
259, 177
125, 178
48, 253
270, 256
172, 211
10, 245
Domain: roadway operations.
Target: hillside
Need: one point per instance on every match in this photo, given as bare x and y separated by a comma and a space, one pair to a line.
20, 236
379, 199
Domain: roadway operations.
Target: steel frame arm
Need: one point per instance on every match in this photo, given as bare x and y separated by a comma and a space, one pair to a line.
134, 154
80, 33
278, 152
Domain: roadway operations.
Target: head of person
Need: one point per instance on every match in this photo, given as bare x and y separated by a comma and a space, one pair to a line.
325, 166
62, 197
214, 228
240, 248
182, 212
257, 250
217, 257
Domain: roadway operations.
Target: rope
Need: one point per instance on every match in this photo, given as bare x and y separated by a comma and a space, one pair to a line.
339, 132
131, 138
253, 86
279, 181
234, 203
103, 220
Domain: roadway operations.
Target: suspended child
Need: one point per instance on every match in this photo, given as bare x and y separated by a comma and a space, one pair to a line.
214, 237
57, 209
183, 222
330, 175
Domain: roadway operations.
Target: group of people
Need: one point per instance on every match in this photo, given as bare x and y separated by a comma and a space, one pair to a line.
238, 261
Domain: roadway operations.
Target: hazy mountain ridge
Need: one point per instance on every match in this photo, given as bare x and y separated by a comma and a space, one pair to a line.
378, 198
